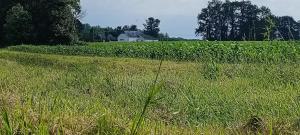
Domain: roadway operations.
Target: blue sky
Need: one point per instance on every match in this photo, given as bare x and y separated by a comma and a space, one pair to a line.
178, 17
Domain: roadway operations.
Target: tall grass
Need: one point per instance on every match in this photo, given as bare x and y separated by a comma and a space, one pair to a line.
150, 99
7, 128
58, 94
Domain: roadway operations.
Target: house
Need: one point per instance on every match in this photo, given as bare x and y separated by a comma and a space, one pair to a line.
135, 36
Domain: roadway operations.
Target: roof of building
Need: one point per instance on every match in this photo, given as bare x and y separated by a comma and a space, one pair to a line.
139, 34
134, 34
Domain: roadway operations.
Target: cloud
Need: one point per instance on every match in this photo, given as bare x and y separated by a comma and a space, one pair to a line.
146, 7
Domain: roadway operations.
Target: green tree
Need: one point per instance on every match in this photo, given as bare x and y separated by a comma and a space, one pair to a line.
18, 26
238, 20
62, 21
298, 28
152, 27
270, 24
129, 28
133, 28
5, 5
53, 21
126, 28
288, 27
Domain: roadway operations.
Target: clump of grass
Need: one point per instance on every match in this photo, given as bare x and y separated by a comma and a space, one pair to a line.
7, 127
255, 125
211, 70
106, 125
150, 99
258, 126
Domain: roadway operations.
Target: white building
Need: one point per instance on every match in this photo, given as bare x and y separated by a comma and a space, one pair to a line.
135, 36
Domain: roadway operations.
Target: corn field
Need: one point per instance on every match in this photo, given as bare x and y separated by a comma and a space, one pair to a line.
221, 52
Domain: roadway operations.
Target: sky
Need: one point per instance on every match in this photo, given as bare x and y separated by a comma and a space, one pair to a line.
178, 17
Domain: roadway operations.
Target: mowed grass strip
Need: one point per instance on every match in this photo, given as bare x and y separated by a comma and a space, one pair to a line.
50, 94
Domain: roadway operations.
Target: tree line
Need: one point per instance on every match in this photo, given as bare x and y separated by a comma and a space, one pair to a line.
58, 22
242, 20
90, 33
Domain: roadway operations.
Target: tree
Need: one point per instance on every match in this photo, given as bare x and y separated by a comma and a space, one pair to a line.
298, 37
97, 33
242, 20
269, 26
18, 25
84, 34
133, 28
62, 17
288, 27
125, 28
55, 22
129, 28
118, 31
231, 21
163, 36
152, 27
266, 26
5, 5
204, 28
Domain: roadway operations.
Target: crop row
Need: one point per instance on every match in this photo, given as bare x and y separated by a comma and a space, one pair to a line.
223, 52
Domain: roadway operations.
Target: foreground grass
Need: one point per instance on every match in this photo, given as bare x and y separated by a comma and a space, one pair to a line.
54, 94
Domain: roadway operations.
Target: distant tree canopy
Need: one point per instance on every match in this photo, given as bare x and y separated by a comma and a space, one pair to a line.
90, 33
18, 26
244, 21
39, 21
152, 27
99, 34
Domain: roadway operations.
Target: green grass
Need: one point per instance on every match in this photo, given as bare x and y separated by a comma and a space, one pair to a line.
59, 94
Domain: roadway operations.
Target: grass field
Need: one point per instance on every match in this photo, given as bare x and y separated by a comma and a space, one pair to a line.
46, 93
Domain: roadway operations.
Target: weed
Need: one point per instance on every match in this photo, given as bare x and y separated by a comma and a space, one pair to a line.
150, 99
6, 123
211, 70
